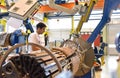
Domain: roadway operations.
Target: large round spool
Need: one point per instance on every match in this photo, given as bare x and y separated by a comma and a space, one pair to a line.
44, 63
49, 63
86, 54
21, 61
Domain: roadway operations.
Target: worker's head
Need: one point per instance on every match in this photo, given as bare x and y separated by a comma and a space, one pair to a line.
40, 28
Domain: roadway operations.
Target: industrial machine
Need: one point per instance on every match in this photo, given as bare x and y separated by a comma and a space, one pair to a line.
117, 42
46, 63
75, 55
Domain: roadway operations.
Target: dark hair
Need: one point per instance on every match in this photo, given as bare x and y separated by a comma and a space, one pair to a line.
40, 25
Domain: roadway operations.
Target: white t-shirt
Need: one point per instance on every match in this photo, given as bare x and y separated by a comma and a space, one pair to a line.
34, 38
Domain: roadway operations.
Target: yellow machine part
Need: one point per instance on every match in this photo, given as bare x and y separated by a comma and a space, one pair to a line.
45, 20
4, 4
3, 23
85, 17
73, 29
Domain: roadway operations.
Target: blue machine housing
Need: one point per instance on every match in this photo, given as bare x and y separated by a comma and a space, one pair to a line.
109, 6
60, 1
16, 38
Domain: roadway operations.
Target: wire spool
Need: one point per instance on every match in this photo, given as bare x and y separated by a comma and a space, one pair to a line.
48, 63
29, 65
85, 53
38, 64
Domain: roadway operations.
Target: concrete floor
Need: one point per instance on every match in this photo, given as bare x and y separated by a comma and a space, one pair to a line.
110, 69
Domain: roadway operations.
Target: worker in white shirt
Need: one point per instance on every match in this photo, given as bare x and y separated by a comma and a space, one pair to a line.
35, 38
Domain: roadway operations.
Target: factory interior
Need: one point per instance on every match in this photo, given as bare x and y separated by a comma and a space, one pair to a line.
80, 39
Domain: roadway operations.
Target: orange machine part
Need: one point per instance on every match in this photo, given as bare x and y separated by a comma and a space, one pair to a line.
46, 8
96, 42
2, 7
99, 4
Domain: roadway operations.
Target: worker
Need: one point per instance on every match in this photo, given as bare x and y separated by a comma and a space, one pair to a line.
46, 39
34, 37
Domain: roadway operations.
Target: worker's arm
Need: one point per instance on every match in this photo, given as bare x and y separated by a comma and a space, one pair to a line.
34, 48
